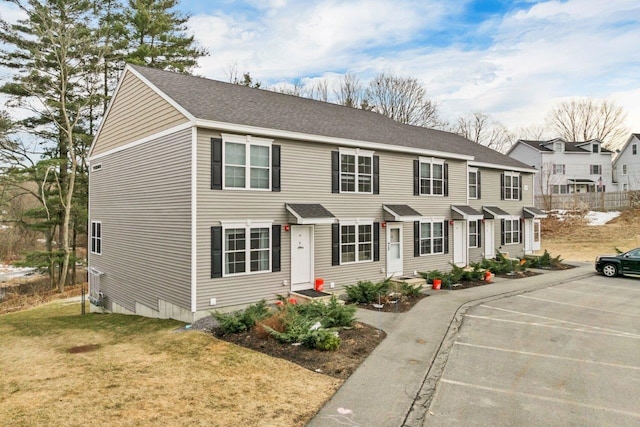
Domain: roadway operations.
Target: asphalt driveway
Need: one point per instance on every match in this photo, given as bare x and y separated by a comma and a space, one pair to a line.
560, 356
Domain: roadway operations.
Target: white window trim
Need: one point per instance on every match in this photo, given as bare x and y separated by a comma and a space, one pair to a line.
247, 141
511, 187
598, 170
91, 246
624, 169
469, 234
356, 152
559, 166
432, 221
474, 171
247, 225
97, 167
513, 219
356, 223
431, 161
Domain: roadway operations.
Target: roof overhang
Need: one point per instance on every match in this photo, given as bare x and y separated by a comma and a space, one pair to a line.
501, 167
401, 213
531, 212
494, 212
310, 213
581, 181
465, 212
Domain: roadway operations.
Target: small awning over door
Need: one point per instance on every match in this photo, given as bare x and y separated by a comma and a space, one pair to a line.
465, 212
494, 212
533, 213
401, 213
310, 213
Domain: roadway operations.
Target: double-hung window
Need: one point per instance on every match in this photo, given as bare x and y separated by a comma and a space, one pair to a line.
473, 234
474, 184
356, 242
247, 162
624, 169
511, 231
558, 169
432, 237
634, 149
432, 176
511, 186
247, 248
595, 169
96, 237
356, 171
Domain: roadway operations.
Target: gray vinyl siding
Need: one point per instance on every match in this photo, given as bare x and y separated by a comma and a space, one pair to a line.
152, 115
142, 196
306, 178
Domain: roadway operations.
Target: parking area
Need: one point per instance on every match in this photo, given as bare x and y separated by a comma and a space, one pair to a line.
560, 356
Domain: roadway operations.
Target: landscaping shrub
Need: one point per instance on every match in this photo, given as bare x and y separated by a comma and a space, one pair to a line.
322, 339
232, 323
338, 315
410, 290
434, 274
366, 292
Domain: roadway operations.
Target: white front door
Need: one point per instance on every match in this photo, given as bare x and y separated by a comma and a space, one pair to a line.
301, 257
489, 239
537, 229
460, 243
528, 236
394, 249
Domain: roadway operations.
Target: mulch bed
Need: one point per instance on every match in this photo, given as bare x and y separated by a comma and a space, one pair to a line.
403, 305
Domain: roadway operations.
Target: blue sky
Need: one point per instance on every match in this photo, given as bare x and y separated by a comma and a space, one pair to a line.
511, 59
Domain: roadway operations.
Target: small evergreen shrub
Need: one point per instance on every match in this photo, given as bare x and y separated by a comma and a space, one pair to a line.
233, 323
410, 290
322, 339
366, 292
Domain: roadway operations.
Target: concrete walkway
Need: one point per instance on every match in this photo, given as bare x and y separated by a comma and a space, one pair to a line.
395, 384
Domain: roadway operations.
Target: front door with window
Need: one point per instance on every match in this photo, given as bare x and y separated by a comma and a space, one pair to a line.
531, 235
394, 249
489, 239
459, 243
301, 257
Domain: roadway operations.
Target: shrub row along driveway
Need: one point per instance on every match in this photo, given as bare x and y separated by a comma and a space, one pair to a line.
564, 355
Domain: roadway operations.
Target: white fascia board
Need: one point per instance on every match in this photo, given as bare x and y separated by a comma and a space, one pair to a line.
502, 167
144, 140
275, 133
306, 221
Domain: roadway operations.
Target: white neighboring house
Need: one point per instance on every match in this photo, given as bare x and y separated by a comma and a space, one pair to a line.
626, 165
567, 167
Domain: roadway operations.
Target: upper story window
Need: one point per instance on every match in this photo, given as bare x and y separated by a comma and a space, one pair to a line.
474, 183
354, 171
624, 169
634, 149
595, 148
432, 176
558, 147
247, 162
96, 237
595, 169
558, 169
511, 188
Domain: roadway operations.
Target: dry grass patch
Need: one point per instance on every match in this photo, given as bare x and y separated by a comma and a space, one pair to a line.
138, 371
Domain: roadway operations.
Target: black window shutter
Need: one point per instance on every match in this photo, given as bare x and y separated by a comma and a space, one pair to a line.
216, 252
479, 229
416, 177
520, 184
416, 238
376, 174
335, 172
502, 186
502, 231
478, 184
445, 174
275, 247
335, 244
445, 229
275, 168
376, 241
520, 226
216, 163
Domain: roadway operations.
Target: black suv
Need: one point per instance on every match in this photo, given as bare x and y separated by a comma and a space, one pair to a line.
616, 265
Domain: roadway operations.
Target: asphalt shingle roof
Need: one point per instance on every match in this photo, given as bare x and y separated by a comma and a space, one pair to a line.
571, 147
236, 104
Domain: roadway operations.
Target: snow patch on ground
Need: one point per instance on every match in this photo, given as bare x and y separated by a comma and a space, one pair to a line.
600, 218
8, 272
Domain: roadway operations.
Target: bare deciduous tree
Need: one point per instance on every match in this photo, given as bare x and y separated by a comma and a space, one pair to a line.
479, 128
350, 91
403, 99
587, 119
320, 90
